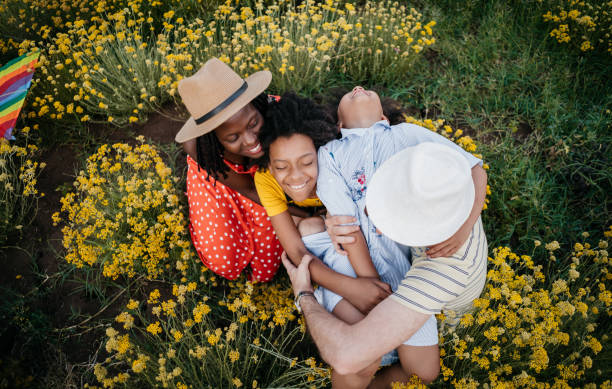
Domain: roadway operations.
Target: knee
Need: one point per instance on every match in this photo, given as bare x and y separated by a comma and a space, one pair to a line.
427, 373
311, 225
425, 364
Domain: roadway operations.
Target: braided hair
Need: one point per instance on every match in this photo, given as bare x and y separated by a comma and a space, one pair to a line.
209, 150
295, 115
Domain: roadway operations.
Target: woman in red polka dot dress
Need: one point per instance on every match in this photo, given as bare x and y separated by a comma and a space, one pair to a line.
229, 228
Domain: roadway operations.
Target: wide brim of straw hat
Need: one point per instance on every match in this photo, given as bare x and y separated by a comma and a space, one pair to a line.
256, 84
405, 217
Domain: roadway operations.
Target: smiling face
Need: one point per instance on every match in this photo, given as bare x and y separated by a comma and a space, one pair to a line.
239, 135
293, 163
359, 108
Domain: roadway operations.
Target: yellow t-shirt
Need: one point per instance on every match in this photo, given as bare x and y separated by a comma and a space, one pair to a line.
272, 196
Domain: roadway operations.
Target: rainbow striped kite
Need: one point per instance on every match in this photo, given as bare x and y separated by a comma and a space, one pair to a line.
15, 79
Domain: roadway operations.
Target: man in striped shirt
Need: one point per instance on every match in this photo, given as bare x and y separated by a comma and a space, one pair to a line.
448, 275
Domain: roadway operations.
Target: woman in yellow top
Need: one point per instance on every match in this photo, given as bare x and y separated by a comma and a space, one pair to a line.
293, 130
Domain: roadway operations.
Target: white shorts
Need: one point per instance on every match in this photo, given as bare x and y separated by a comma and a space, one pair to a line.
320, 245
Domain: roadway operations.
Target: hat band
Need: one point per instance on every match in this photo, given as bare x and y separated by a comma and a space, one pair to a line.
224, 104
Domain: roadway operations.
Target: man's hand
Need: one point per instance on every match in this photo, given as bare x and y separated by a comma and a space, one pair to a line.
366, 293
450, 245
338, 231
300, 275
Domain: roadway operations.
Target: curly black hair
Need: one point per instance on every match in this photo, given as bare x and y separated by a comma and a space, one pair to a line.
295, 115
210, 151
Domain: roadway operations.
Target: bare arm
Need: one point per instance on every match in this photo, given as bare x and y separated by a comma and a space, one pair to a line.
359, 256
351, 348
452, 244
363, 294
479, 177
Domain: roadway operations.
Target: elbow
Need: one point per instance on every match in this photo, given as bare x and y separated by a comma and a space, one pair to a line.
344, 363
346, 369
343, 352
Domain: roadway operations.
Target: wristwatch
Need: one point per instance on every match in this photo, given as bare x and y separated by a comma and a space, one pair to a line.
299, 297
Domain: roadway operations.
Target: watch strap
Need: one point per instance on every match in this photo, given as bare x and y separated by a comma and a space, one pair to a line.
299, 297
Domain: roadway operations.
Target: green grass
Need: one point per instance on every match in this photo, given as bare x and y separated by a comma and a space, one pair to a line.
538, 111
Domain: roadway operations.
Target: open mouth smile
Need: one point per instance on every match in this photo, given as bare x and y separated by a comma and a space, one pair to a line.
298, 187
255, 149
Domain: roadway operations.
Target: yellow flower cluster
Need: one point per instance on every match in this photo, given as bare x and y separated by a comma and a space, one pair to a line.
118, 67
465, 141
186, 344
124, 214
266, 302
413, 383
586, 24
302, 43
40, 20
528, 330
18, 178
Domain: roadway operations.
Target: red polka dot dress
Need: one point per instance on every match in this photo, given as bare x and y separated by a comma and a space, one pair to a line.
229, 230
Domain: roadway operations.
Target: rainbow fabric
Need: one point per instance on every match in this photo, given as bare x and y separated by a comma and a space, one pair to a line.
15, 79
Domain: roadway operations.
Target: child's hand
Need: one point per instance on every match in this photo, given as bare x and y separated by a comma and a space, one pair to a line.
338, 230
450, 245
367, 292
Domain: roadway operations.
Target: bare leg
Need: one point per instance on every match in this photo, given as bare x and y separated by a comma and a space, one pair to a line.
388, 375
310, 225
349, 314
423, 361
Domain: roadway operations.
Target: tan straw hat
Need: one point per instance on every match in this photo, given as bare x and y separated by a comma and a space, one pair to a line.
214, 94
421, 195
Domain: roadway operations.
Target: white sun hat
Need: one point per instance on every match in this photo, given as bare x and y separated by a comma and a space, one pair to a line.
421, 195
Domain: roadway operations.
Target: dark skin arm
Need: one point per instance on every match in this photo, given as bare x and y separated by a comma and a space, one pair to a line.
363, 293
359, 255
